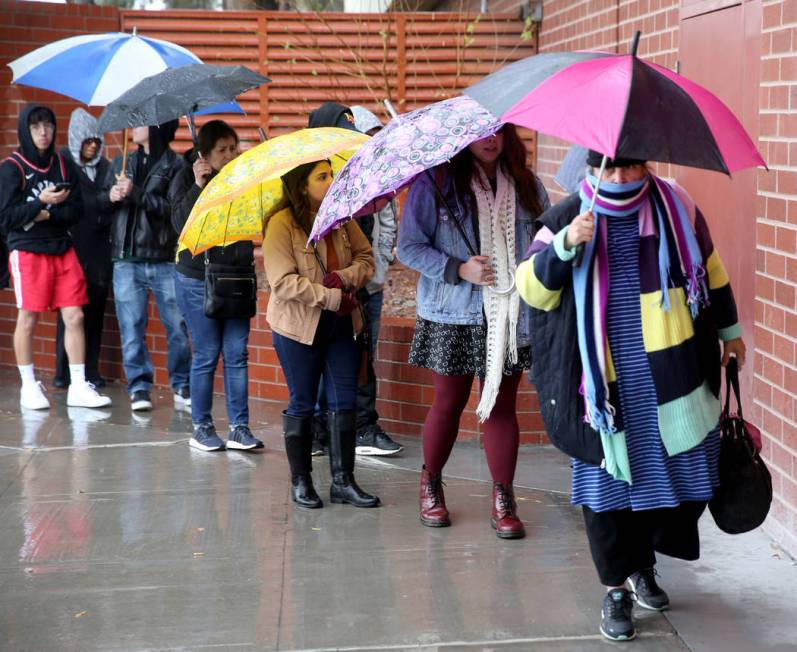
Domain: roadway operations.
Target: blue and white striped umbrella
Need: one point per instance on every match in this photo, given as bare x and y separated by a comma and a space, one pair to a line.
97, 68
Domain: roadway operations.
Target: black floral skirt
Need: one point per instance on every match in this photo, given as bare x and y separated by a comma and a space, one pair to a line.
457, 350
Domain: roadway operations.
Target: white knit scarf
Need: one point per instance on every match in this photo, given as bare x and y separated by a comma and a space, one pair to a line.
497, 236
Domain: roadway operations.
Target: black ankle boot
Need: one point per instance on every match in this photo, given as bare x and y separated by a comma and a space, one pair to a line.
298, 441
344, 488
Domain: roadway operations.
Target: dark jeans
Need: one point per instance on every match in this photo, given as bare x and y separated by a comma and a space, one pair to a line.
332, 356
366, 392
93, 319
211, 338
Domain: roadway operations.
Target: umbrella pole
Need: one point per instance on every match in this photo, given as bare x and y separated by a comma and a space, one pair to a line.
124, 153
580, 248
192, 127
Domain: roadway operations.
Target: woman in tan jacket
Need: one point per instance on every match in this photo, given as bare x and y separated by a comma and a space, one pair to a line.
314, 317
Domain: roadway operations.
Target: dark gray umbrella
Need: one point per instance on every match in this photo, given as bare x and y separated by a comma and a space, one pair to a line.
178, 91
573, 169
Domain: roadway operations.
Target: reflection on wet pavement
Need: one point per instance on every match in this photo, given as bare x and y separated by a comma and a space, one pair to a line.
115, 535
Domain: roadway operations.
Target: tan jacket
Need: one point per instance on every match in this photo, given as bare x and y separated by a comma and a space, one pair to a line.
297, 293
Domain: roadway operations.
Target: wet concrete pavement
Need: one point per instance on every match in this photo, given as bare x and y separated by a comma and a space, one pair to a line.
115, 535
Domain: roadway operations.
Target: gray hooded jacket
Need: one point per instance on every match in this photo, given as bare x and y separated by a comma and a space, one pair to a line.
383, 236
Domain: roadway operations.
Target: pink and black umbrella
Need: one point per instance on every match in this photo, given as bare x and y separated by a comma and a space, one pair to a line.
621, 106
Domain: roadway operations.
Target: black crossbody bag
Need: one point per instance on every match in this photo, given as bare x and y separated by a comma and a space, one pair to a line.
230, 291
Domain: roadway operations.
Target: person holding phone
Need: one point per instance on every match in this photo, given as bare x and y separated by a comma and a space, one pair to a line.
36, 216
217, 145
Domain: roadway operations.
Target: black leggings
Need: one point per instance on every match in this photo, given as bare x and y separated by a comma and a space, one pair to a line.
623, 542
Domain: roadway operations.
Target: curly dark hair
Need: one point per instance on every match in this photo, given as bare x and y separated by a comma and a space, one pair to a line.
513, 158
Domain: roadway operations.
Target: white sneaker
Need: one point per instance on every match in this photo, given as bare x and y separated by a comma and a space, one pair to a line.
182, 398
31, 397
84, 395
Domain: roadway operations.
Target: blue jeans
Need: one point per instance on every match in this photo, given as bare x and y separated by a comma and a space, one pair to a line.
211, 337
332, 356
367, 414
132, 283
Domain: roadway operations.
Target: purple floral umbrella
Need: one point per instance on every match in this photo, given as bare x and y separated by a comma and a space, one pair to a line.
410, 144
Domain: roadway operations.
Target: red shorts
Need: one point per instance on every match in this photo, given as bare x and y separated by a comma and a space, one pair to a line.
43, 282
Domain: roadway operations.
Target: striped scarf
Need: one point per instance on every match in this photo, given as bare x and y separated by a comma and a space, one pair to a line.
653, 199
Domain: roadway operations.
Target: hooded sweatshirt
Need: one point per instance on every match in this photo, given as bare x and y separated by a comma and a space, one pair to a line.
365, 120
91, 235
332, 114
23, 176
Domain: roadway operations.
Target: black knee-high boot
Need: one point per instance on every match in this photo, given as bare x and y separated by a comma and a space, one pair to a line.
344, 488
298, 441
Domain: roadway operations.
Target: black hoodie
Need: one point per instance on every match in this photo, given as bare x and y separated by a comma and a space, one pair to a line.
23, 175
332, 114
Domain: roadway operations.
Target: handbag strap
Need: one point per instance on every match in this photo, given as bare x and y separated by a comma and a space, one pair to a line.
732, 381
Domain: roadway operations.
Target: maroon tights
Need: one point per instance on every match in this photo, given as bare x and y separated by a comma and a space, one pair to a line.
501, 431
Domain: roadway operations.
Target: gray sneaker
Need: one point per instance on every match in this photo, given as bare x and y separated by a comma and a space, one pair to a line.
240, 438
649, 594
206, 439
373, 440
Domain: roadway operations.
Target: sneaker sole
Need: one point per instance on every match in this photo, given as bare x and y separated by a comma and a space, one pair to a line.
234, 445
372, 450
318, 454
34, 407
141, 406
91, 407
619, 638
193, 443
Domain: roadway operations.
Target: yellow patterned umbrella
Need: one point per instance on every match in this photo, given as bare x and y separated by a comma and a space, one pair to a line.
238, 202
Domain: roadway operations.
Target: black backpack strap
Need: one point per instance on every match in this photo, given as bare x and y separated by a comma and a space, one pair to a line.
22, 179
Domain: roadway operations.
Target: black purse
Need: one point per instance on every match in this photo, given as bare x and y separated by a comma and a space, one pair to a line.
230, 291
741, 502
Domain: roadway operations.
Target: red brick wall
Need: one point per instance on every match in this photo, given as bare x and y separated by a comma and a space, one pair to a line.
405, 392
775, 384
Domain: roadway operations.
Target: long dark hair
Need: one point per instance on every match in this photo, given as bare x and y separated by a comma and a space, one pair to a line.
294, 183
513, 158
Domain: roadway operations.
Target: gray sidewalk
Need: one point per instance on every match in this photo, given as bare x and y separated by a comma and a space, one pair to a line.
114, 535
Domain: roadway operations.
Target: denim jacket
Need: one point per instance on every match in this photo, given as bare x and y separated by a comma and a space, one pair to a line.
428, 240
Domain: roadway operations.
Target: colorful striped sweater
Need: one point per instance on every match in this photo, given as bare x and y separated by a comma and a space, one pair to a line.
687, 408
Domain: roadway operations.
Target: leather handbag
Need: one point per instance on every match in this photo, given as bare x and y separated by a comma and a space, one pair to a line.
230, 291
742, 500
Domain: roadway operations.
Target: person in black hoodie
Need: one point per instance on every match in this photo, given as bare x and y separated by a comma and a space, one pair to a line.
371, 437
91, 237
143, 244
217, 145
39, 201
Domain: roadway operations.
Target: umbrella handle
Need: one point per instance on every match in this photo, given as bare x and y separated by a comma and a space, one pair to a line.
124, 153
580, 248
